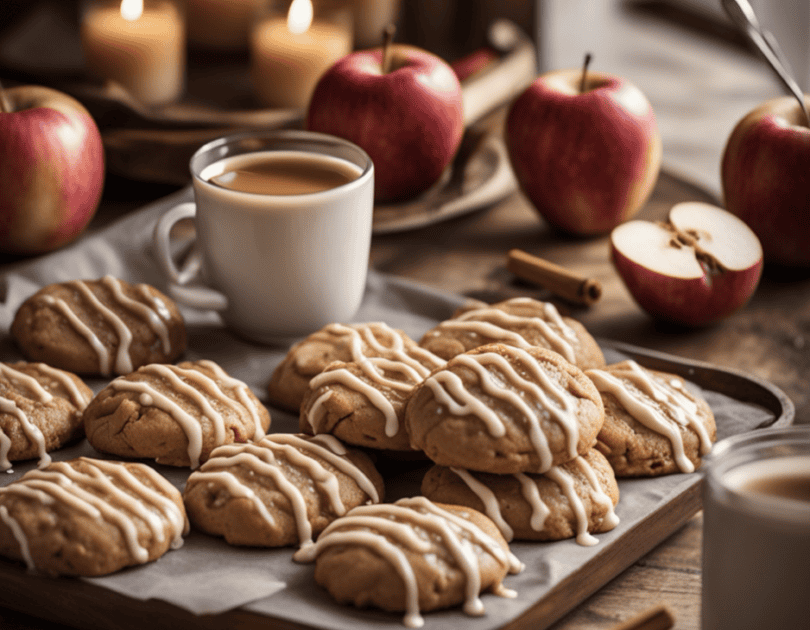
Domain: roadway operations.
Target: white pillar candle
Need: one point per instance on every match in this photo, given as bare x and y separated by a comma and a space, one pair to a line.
140, 47
289, 54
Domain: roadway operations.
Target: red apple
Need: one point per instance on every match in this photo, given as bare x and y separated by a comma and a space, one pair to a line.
51, 169
766, 178
589, 158
409, 119
695, 270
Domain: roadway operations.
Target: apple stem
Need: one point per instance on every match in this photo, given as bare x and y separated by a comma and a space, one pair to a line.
583, 81
388, 38
5, 106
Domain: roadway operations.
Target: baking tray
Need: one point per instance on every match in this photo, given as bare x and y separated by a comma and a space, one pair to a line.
301, 604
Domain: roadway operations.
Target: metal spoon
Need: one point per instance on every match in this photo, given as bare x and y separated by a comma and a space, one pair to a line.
742, 13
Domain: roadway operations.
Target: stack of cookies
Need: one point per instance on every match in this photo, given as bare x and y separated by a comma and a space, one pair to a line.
526, 428
509, 410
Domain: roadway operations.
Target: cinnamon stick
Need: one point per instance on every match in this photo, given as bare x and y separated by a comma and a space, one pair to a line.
560, 281
657, 618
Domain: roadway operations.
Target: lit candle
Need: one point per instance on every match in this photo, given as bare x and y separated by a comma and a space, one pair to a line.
221, 24
140, 47
290, 55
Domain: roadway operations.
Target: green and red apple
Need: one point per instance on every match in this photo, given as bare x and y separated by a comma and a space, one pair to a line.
408, 118
51, 169
765, 172
586, 153
697, 268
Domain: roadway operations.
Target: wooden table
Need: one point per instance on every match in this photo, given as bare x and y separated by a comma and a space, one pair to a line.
769, 338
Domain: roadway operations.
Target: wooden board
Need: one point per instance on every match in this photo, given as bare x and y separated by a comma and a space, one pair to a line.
89, 607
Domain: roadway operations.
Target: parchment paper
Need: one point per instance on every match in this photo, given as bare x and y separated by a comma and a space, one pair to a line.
207, 576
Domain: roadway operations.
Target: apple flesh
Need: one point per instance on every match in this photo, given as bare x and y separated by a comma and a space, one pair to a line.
698, 268
586, 159
51, 170
409, 120
765, 171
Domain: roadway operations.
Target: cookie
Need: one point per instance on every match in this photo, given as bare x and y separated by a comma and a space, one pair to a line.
99, 327
575, 499
654, 425
340, 342
522, 322
175, 415
411, 556
282, 490
90, 517
40, 411
504, 409
362, 403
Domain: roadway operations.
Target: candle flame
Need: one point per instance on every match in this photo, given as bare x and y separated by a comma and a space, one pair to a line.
131, 10
300, 16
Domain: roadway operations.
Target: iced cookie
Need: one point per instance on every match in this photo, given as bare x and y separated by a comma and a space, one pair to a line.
572, 500
653, 424
362, 403
347, 343
40, 411
282, 490
90, 517
522, 322
175, 415
504, 409
411, 556
101, 327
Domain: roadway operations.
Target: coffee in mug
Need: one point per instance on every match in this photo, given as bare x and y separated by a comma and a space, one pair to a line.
283, 230
756, 531
281, 173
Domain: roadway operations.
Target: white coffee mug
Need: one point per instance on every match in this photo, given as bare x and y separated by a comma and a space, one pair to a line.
756, 531
276, 266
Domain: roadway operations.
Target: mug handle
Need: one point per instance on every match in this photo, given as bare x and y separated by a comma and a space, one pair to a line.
201, 297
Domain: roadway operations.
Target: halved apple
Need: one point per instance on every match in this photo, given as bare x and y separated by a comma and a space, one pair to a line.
696, 269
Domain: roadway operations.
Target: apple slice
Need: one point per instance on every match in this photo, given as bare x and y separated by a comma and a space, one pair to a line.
698, 268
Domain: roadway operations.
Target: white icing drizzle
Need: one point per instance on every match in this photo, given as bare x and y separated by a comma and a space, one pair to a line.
31, 430
123, 360
105, 492
300, 453
204, 388
160, 307
172, 374
493, 323
104, 361
540, 510
530, 492
389, 344
566, 483
598, 495
352, 381
145, 312
328, 448
491, 506
5, 447
15, 377
242, 392
190, 425
79, 398
547, 395
656, 405
373, 368
19, 536
386, 528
